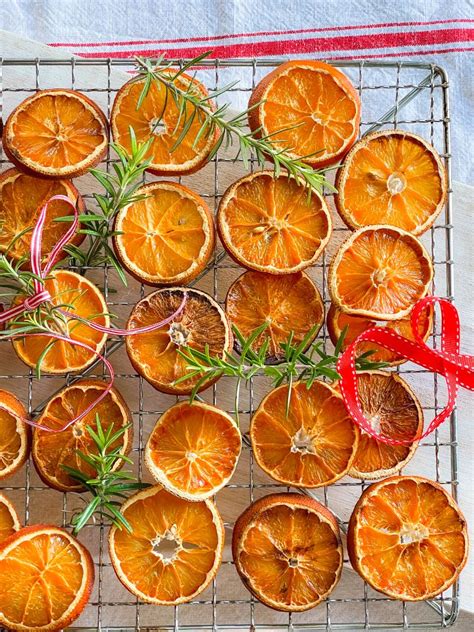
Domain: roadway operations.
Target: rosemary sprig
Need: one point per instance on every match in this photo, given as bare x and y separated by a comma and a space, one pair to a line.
108, 487
297, 364
193, 105
120, 190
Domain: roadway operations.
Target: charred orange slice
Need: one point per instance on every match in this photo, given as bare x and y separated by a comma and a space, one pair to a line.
56, 134
337, 321
407, 538
309, 109
52, 450
21, 199
193, 450
380, 272
268, 224
174, 550
391, 177
159, 117
312, 445
287, 304
46, 578
395, 412
288, 552
166, 238
156, 355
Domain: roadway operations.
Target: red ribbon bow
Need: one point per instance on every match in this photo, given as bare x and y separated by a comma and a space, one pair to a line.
456, 368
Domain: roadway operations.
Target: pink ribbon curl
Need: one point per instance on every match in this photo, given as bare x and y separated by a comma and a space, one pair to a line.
41, 296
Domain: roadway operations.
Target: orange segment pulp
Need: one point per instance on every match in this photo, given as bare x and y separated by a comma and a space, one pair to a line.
407, 538
311, 445
156, 356
52, 450
393, 410
14, 434
166, 238
380, 272
268, 224
174, 550
21, 200
308, 108
82, 298
46, 578
287, 549
159, 117
288, 304
391, 177
9, 522
56, 133
193, 450
337, 320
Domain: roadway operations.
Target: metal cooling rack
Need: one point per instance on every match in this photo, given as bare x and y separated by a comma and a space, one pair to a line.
413, 96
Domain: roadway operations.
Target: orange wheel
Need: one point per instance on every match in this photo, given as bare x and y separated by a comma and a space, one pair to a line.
391, 177
309, 108
159, 116
14, 434
288, 304
311, 446
287, 549
174, 550
52, 450
193, 450
269, 225
56, 134
21, 199
407, 538
393, 410
380, 272
156, 355
84, 299
9, 522
46, 578
337, 320
168, 237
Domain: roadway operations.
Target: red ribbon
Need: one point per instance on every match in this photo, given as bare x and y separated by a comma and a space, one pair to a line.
41, 295
456, 368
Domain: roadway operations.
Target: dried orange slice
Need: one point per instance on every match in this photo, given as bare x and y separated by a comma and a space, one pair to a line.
287, 549
407, 538
193, 450
156, 356
337, 320
14, 434
268, 224
312, 445
174, 550
393, 410
309, 108
46, 577
56, 133
21, 199
52, 450
9, 522
288, 304
84, 299
380, 272
168, 237
391, 177
159, 116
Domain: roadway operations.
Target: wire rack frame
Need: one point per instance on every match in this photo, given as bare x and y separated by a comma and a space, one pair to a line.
407, 83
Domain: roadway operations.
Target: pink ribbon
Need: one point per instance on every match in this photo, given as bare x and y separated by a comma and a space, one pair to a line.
41, 295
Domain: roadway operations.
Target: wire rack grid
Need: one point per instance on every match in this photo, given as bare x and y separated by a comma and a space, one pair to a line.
413, 96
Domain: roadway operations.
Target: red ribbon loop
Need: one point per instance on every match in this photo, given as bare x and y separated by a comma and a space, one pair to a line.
456, 368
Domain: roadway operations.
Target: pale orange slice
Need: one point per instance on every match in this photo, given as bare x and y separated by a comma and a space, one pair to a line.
14, 434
